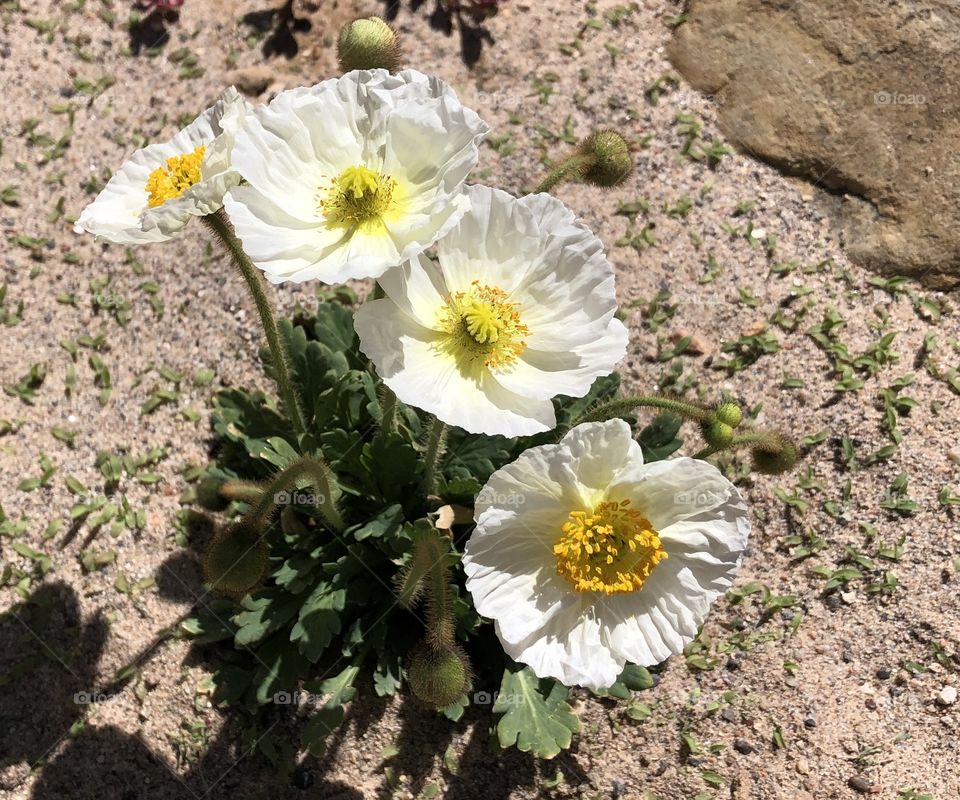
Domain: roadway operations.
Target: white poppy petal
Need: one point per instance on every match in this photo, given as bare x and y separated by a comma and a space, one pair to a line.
411, 363
518, 559
497, 360
367, 170
122, 214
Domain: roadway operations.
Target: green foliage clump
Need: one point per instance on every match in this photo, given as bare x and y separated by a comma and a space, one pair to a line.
333, 609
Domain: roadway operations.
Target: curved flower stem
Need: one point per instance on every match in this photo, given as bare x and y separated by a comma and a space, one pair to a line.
220, 225
388, 406
751, 438
569, 168
323, 480
245, 491
436, 445
624, 405
428, 572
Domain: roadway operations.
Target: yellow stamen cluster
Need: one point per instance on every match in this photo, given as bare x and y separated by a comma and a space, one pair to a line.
483, 327
171, 181
358, 196
610, 549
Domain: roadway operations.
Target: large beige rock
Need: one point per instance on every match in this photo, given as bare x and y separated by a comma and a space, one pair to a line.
861, 97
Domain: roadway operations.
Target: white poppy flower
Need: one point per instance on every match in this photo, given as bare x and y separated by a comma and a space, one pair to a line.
352, 176
159, 188
517, 310
586, 558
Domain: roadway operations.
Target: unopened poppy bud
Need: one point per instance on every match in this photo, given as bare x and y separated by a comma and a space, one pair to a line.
717, 434
438, 677
368, 43
610, 161
775, 457
236, 560
729, 414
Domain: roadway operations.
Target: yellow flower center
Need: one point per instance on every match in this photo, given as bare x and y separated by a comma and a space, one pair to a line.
358, 196
483, 327
610, 549
180, 173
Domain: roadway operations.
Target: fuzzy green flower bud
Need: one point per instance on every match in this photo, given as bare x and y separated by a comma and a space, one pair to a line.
717, 434
208, 494
610, 163
438, 677
775, 457
236, 560
729, 414
368, 43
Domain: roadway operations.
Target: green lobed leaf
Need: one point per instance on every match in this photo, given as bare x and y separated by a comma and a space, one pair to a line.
535, 713
659, 439
339, 691
319, 620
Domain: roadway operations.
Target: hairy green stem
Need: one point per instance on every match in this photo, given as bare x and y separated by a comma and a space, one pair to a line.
388, 410
751, 438
245, 491
323, 481
436, 446
440, 614
571, 167
220, 225
624, 405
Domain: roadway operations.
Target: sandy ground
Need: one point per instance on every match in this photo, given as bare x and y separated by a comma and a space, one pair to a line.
793, 693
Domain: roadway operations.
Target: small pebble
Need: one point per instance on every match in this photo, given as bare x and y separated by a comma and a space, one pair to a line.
862, 785
832, 602
809, 722
743, 747
947, 696
884, 673
729, 715
870, 703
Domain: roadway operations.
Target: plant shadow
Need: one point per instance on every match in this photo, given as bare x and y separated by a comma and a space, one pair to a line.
152, 31
473, 33
51, 706
480, 770
279, 26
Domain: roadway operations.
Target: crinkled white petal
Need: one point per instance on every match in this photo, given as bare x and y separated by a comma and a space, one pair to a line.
494, 243
409, 361
286, 248
120, 213
586, 638
554, 274
600, 451
408, 126
548, 373
418, 289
